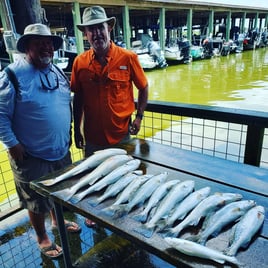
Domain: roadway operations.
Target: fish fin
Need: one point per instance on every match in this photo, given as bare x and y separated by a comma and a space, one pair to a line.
64, 194
194, 238
230, 251
161, 225
147, 232
77, 197
169, 233
120, 211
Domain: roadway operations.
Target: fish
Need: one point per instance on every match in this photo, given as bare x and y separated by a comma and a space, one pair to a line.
207, 206
117, 187
184, 207
101, 170
245, 229
130, 189
124, 196
108, 179
157, 195
142, 194
175, 195
194, 249
91, 162
214, 224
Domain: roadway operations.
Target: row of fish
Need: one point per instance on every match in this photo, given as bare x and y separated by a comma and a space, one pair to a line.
164, 202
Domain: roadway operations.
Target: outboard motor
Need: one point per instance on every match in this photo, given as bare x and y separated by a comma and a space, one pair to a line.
184, 47
240, 42
208, 47
158, 55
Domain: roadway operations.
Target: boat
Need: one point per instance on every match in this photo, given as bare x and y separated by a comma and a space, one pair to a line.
178, 52
149, 52
197, 52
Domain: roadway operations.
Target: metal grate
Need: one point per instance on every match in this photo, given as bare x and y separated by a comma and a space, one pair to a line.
216, 138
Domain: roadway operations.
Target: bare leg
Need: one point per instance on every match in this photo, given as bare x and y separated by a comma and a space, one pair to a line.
38, 223
71, 226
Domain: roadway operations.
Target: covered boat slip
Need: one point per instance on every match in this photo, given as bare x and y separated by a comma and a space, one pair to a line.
221, 175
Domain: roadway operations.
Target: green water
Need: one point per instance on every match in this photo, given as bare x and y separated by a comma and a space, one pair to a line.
236, 81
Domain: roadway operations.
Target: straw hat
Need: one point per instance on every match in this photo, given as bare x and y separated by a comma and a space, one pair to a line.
95, 15
37, 30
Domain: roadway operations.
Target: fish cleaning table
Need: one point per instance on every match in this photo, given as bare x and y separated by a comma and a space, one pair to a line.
221, 175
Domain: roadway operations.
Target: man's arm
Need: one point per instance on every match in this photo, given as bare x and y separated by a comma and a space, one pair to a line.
141, 105
77, 117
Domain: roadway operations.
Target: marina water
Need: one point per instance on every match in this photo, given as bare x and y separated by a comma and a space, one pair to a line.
236, 81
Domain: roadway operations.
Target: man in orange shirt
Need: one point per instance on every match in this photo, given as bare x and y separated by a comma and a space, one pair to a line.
102, 81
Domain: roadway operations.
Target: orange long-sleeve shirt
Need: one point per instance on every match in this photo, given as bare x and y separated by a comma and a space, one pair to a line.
107, 93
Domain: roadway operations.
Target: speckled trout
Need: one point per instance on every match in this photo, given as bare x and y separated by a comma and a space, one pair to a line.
155, 198
100, 171
110, 178
184, 207
228, 214
91, 162
142, 194
177, 193
117, 187
194, 249
245, 229
203, 209
126, 193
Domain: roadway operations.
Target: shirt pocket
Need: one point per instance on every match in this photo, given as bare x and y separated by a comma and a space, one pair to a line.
120, 89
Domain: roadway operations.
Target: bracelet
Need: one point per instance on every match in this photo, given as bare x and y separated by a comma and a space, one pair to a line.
140, 116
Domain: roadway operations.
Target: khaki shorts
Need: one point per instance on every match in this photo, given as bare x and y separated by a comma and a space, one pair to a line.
30, 169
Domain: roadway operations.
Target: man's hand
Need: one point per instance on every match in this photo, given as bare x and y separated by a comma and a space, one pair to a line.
134, 128
79, 140
17, 152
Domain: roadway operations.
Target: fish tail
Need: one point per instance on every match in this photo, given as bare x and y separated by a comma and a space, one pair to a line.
162, 225
233, 259
94, 202
170, 233
109, 211
142, 217
120, 210
78, 197
145, 231
65, 194
230, 251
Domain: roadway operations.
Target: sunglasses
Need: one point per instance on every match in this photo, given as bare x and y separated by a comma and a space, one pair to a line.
49, 81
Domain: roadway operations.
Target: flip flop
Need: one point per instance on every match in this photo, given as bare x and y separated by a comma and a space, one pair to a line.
45, 251
89, 223
70, 227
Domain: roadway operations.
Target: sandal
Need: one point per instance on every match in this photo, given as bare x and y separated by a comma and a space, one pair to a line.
52, 247
70, 226
89, 223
